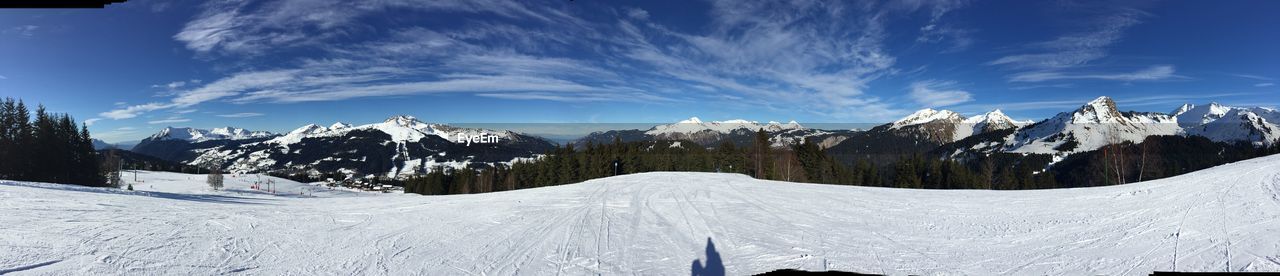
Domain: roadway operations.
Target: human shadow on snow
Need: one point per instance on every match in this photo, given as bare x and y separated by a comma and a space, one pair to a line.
714, 265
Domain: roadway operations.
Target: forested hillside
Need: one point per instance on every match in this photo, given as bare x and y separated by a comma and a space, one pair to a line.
48, 148
1156, 157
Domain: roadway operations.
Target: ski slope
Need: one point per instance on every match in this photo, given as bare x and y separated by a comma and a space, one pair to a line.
1227, 217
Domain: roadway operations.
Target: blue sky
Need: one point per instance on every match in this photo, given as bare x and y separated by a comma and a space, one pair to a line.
133, 68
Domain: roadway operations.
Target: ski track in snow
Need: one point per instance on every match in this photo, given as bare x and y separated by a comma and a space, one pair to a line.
653, 224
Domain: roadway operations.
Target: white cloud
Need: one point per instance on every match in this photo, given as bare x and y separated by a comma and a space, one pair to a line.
24, 30
934, 93
133, 111
1255, 77
237, 27
1078, 48
1054, 59
169, 121
637, 13
1158, 72
171, 85
818, 56
2, 77
938, 31
90, 122
1265, 84
240, 115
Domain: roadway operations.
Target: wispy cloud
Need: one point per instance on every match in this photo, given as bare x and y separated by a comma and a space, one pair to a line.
1265, 84
1170, 100
171, 85
169, 121
134, 110
933, 93
820, 55
1064, 57
24, 30
939, 31
1254, 77
1075, 49
1158, 72
236, 27
91, 121
240, 115
823, 60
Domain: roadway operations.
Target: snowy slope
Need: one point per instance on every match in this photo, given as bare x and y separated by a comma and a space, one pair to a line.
652, 224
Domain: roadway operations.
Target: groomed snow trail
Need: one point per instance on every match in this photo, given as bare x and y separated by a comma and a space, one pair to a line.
648, 224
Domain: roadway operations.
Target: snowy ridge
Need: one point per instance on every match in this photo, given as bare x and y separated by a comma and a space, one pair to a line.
1093, 125
200, 135
928, 115
1217, 122
1215, 219
695, 125
948, 126
362, 149
1239, 124
994, 120
401, 128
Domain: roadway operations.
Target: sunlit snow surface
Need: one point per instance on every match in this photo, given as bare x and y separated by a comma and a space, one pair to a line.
1226, 217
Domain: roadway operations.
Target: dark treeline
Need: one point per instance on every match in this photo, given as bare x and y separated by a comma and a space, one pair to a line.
805, 162
1156, 157
47, 148
136, 161
569, 164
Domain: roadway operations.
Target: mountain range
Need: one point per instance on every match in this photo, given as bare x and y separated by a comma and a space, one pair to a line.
710, 134
403, 145
398, 146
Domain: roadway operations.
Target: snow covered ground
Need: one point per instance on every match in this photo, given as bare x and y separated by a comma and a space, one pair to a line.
1221, 218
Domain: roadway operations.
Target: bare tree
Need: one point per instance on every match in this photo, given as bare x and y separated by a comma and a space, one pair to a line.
1142, 169
111, 164
215, 175
1114, 154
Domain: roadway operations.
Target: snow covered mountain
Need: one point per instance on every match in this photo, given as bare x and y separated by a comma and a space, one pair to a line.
1089, 127
694, 125
740, 132
398, 146
1256, 125
1239, 125
945, 126
1093, 125
401, 129
1217, 219
993, 120
200, 135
